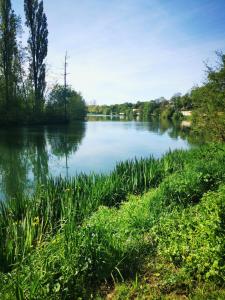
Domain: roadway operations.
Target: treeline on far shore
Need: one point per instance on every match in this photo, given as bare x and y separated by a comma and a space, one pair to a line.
161, 107
24, 96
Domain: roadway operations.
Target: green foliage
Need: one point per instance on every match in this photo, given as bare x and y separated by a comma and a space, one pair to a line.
209, 103
9, 61
65, 104
193, 238
36, 21
65, 249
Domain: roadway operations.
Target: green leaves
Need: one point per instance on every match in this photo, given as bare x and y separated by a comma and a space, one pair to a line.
193, 238
209, 102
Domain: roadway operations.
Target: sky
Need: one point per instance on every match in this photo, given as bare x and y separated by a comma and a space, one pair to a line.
132, 50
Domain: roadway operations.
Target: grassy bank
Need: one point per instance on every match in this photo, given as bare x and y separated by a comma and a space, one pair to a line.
150, 228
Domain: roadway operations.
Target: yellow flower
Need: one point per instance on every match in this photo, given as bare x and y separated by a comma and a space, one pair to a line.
36, 221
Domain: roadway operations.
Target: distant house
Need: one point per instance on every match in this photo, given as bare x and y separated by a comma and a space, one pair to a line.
186, 113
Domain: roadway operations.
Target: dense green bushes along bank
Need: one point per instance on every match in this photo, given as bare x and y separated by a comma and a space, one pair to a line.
77, 238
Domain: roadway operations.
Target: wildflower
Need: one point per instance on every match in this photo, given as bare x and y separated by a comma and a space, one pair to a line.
36, 221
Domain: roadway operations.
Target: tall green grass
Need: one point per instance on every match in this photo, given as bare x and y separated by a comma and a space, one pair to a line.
25, 222
73, 234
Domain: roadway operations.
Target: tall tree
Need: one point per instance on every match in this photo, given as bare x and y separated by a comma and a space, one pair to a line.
8, 51
36, 21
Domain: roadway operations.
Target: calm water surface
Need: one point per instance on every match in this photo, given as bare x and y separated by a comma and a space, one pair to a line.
31, 155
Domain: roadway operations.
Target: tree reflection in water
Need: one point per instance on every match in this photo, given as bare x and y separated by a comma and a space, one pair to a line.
24, 155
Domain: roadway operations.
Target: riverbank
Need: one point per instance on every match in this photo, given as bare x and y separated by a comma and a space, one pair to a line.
150, 228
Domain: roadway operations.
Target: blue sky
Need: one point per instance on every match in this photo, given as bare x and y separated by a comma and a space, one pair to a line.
130, 50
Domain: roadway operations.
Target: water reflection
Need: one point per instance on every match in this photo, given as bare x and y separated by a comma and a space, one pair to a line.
30, 155
159, 126
173, 129
25, 155
13, 161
